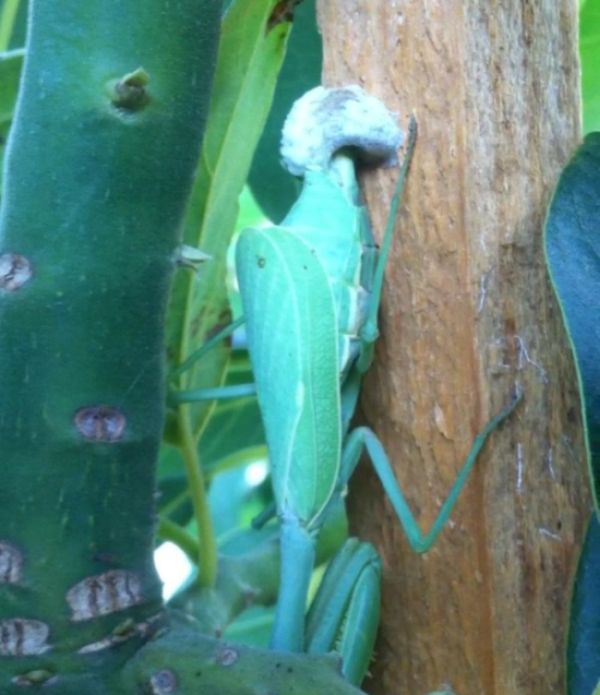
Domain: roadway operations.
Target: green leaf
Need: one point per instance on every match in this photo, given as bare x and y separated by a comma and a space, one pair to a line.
572, 239
250, 57
235, 426
13, 23
232, 438
583, 650
11, 63
223, 448
589, 51
301, 71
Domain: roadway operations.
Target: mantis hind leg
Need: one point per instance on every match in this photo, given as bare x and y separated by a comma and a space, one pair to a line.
344, 614
364, 438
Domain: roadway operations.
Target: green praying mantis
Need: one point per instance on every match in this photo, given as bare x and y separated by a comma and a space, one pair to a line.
310, 290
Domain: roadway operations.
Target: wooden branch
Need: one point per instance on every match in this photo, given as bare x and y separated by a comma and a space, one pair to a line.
468, 313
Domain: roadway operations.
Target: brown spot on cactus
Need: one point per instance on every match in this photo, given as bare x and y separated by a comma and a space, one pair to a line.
11, 563
23, 637
103, 594
227, 656
163, 682
15, 271
100, 423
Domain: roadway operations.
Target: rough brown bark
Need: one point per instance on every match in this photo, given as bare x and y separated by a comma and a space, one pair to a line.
467, 314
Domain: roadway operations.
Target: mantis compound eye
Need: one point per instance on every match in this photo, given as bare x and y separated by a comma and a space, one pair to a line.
324, 121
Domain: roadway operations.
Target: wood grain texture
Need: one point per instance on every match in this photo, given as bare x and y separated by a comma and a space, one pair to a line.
468, 313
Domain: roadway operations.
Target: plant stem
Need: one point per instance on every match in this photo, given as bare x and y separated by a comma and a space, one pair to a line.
207, 546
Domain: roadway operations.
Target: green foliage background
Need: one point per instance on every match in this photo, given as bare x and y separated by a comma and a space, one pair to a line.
589, 49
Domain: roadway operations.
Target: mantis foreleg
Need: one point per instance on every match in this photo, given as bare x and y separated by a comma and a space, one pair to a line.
297, 564
370, 332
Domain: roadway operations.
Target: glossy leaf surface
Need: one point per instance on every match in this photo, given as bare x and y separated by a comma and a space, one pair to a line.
583, 655
573, 256
250, 57
301, 71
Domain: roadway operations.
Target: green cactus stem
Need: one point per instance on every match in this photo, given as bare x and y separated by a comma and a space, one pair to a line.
184, 662
96, 182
